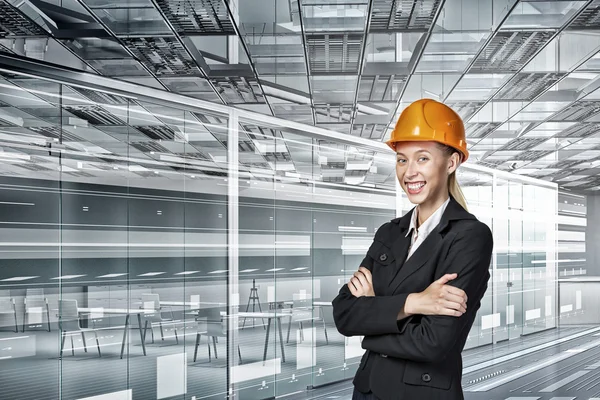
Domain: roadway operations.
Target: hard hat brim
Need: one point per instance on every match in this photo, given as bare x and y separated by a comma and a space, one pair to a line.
392, 145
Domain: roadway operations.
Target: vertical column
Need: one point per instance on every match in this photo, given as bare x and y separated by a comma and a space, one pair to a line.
233, 41
495, 283
233, 297
551, 280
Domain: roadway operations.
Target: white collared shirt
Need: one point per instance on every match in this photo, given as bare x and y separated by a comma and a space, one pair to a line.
420, 234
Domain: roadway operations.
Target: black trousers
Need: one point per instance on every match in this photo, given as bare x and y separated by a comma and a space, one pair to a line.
356, 395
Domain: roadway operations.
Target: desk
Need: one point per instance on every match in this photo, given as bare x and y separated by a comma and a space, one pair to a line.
270, 316
121, 311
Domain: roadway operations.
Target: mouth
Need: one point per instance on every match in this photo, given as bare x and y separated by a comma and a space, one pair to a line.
415, 187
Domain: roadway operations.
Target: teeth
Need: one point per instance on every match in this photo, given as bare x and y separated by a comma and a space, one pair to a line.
415, 186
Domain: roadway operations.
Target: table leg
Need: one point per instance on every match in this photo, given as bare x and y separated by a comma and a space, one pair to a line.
124, 335
281, 339
141, 333
267, 339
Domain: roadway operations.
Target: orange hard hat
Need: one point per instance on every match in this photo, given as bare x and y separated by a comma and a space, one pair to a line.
430, 120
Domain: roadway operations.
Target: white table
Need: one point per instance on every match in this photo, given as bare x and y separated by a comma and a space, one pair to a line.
121, 311
270, 316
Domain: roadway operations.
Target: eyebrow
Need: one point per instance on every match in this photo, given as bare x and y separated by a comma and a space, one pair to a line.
418, 151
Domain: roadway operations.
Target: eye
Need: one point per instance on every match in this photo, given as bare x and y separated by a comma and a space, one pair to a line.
401, 161
423, 158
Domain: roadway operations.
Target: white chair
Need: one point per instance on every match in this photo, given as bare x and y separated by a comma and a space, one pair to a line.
36, 305
303, 311
214, 326
151, 302
8, 306
68, 322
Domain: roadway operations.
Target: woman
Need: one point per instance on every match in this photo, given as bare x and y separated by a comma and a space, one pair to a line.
415, 296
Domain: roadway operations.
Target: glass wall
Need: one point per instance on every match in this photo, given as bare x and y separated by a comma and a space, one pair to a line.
161, 247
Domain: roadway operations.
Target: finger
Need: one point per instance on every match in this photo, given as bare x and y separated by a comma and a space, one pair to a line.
367, 274
452, 306
362, 278
357, 283
456, 291
455, 299
447, 278
353, 289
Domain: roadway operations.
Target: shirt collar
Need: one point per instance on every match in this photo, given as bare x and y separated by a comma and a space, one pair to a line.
433, 221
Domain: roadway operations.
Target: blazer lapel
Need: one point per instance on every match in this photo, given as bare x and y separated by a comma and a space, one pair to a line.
418, 259
403, 270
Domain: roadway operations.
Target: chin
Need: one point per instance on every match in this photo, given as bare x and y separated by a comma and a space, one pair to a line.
416, 199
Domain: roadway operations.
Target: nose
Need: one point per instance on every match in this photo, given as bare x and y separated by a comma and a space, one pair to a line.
411, 170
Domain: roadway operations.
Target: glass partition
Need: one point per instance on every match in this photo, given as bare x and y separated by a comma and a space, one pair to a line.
183, 249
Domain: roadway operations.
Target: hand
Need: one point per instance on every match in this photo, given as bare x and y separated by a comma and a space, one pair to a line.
438, 299
361, 284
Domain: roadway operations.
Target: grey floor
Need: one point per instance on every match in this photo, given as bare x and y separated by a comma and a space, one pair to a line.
557, 364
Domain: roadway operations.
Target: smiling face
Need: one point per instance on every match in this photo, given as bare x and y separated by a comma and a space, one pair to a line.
423, 169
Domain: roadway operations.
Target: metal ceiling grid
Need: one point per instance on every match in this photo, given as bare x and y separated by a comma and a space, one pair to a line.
149, 146
197, 17
95, 115
334, 53
403, 15
162, 55
510, 51
532, 155
580, 130
157, 132
589, 19
55, 132
522, 144
479, 130
528, 86
577, 112
14, 23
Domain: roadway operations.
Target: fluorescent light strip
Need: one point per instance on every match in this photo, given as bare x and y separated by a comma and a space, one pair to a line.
248, 270
557, 261
187, 273
299, 269
17, 204
352, 228
19, 278
221, 271
275, 269
112, 275
152, 274
67, 277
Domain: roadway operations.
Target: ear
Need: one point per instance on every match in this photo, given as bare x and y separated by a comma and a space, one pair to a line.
453, 162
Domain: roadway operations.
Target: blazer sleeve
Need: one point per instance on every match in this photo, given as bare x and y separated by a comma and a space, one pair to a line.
430, 337
364, 315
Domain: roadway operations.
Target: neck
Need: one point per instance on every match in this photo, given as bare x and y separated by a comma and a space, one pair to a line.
426, 209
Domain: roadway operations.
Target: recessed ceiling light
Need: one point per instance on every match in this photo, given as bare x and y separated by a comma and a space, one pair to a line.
112, 275
68, 277
19, 278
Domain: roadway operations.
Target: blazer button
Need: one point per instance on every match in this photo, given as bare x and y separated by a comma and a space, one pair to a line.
384, 355
383, 257
426, 378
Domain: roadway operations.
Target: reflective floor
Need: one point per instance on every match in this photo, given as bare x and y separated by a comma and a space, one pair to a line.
561, 364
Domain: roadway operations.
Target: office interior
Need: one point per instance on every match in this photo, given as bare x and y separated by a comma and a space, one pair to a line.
186, 185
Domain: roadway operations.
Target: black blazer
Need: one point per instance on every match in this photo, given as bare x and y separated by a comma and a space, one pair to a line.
418, 357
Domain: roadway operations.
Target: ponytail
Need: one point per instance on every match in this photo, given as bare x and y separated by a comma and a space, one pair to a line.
456, 191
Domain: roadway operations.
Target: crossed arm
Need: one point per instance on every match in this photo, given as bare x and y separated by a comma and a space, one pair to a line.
388, 327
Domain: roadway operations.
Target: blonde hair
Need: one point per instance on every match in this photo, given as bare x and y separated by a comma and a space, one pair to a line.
456, 191
453, 185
